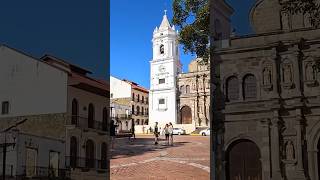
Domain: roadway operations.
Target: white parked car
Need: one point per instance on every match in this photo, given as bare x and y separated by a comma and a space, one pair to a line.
178, 131
205, 132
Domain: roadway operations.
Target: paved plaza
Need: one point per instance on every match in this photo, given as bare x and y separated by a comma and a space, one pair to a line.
188, 159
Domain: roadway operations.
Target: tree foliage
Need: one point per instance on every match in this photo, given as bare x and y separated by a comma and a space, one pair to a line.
305, 7
192, 17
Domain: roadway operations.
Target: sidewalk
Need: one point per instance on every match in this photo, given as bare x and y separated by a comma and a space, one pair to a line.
188, 159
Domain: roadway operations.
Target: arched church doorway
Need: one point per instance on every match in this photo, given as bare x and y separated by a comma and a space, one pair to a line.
185, 115
243, 161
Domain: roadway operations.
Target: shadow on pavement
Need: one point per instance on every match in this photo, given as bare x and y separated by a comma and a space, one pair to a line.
126, 148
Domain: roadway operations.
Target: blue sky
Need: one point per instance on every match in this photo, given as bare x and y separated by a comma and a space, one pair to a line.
131, 28
75, 30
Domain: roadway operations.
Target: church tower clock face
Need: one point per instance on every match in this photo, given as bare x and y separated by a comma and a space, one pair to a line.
162, 68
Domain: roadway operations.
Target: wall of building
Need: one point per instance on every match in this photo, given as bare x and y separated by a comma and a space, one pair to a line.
30, 86
141, 118
119, 88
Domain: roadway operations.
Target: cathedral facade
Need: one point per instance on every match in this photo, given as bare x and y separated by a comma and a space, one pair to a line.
194, 96
270, 128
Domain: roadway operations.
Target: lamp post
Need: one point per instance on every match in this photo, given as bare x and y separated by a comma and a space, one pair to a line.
5, 145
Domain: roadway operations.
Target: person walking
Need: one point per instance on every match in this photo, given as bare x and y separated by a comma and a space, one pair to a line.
166, 133
170, 130
156, 133
133, 133
112, 133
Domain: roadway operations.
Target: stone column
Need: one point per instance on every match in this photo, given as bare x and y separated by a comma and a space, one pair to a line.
313, 166
299, 153
275, 147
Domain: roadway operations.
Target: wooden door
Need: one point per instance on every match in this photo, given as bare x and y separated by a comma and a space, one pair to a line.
186, 115
244, 162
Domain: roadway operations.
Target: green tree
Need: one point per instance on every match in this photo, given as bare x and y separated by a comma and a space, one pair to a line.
305, 7
192, 17
309, 7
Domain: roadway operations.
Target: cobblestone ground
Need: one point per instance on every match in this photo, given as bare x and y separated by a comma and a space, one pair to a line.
188, 159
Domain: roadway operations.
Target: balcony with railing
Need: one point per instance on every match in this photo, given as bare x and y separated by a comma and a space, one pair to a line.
39, 172
82, 122
86, 163
141, 114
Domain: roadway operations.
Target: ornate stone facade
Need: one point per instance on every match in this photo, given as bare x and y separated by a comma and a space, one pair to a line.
194, 95
271, 115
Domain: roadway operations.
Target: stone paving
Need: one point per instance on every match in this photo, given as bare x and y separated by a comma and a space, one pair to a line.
188, 159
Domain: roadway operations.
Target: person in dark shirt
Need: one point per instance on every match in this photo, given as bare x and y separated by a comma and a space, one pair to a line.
112, 133
156, 133
133, 130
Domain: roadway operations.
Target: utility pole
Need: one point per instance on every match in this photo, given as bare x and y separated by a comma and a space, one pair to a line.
5, 145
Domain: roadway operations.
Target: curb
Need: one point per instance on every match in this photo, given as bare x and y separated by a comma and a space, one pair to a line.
144, 134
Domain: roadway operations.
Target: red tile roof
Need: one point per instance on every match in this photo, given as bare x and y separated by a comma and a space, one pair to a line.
136, 86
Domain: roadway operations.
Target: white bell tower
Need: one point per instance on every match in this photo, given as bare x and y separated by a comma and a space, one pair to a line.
164, 69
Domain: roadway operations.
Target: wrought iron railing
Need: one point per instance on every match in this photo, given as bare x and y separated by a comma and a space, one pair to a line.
83, 122
80, 162
9, 170
43, 172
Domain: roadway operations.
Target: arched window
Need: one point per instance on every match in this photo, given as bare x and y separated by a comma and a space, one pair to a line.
138, 122
142, 111
138, 110
161, 49
73, 152
104, 119
187, 89
103, 156
138, 98
232, 88
249, 87
90, 116
142, 99
132, 109
182, 89
90, 154
75, 112
132, 96
142, 122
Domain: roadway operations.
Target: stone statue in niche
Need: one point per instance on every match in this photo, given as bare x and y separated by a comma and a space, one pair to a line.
200, 85
194, 86
287, 73
267, 79
310, 72
285, 19
290, 151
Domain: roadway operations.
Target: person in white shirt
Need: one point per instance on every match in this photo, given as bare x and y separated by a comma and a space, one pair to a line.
170, 130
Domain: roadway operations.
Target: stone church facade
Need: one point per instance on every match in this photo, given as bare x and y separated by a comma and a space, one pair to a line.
194, 95
271, 114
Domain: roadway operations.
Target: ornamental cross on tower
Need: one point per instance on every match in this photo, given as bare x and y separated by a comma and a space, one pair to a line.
165, 12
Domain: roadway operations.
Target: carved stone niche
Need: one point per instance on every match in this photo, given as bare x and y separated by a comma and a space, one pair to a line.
267, 84
287, 75
310, 73
289, 153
